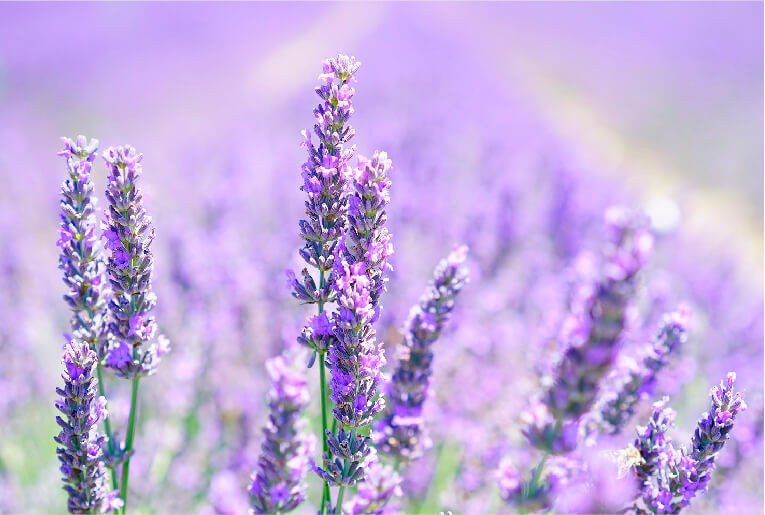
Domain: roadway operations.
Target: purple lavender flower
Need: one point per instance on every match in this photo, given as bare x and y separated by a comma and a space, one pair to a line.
366, 238
324, 178
277, 485
80, 258
380, 485
355, 360
671, 478
594, 337
401, 431
652, 441
80, 452
129, 233
617, 404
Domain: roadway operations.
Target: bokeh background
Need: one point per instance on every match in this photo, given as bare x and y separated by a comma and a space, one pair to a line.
511, 128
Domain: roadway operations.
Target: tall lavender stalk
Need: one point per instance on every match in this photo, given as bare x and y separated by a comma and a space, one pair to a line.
324, 177
401, 432
356, 357
672, 477
81, 258
136, 348
80, 451
552, 422
277, 482
617, 404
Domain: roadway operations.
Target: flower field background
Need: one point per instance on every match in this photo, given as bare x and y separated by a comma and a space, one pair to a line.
512, 128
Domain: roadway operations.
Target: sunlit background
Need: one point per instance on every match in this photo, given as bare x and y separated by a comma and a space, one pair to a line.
511, 128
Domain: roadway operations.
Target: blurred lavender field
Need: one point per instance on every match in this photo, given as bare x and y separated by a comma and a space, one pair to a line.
512, 127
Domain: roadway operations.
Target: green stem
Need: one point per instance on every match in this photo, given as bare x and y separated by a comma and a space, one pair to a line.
129, 443
325, 446
325, 496
536, 475
107, 426
340, 499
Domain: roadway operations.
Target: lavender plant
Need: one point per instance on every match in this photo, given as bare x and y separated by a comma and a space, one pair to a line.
82, 261
136, 347
670, 477
277, 485
618, 402
80, 451
401, 432
594, 334
380, 486
324, 178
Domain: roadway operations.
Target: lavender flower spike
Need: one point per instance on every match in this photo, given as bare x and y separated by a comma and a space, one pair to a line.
80, 258
617, 404
324, 181
367, 239
401, 431
713, 429
277, 485
593, 338
129, 233
653, 441
355, 360
679, 475
80, 452
381, 484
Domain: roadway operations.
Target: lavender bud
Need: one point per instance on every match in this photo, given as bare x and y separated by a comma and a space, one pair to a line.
652, 440
81, 259
129, 232
277, 485
352, 453
80, 452
401, 431
617, 404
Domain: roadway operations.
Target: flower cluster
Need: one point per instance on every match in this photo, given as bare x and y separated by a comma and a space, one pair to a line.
594, 337
380, 485
324, 180
401, 431
355, 360
366, 238
80, 258
617, 404
129, 234
670, 478
276, 485
80, 445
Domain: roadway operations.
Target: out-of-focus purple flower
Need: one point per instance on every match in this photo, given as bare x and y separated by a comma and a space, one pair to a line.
129, 233
617, 404
380, 485
401, 431
277, 483
537, 494
81, 259
80, 445
576, 377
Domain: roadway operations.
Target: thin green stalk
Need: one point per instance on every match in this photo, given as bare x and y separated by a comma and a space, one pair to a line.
107, 425
536, 475
129, 443
325, 496
340, 498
